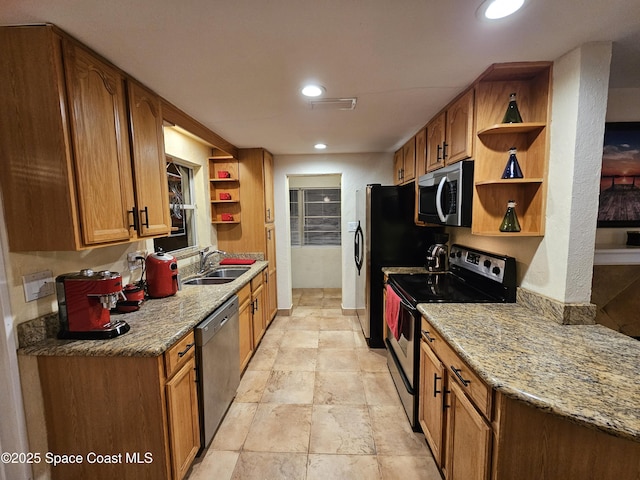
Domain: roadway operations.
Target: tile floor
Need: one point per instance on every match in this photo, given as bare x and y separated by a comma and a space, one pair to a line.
316, 403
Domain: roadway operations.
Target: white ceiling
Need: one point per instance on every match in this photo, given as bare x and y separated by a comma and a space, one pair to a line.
237, 65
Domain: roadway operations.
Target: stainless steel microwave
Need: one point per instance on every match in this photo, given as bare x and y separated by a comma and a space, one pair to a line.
445, 196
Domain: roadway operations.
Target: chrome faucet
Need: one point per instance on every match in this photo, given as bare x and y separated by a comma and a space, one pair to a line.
204, 257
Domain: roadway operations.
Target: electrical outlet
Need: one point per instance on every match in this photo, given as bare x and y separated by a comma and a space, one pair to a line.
38, 285
133, 260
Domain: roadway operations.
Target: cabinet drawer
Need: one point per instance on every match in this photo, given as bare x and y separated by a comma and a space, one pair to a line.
256, 282
244, 294
179, 353
478, 391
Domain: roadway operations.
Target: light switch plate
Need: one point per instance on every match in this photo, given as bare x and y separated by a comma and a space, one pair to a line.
38, 285
352, 226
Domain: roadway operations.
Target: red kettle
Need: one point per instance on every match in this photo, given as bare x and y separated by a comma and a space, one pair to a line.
162, 274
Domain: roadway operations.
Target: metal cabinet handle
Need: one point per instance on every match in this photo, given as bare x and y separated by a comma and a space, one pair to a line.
146, 217
438, 150
134, 215
457, 373
426, 336
435, 384
444, 150
184, 352
444, 399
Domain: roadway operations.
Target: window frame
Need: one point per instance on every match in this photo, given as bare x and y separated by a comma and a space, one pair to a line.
302, 216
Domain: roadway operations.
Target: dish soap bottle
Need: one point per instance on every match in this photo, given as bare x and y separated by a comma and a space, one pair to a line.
512, 115
512, 169
510, 221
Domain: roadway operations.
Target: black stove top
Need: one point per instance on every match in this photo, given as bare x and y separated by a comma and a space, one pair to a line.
474, 277
438, 288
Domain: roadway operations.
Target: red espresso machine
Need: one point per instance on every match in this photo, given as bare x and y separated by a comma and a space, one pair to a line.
85, 299
162, 274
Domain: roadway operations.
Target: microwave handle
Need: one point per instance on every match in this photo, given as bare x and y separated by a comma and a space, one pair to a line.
439, 199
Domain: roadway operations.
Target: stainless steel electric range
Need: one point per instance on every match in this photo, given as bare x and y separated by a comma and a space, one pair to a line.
474, 276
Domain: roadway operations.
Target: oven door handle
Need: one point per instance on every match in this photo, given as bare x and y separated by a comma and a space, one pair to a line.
405, 303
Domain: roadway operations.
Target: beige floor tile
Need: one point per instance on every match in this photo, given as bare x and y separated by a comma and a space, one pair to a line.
341, 429
397, 467
299, 339
271, 339
335, 323
359, 340
342, 467
393, 434
279, 323
252, 386
373, 360
336, 339
337, 360
331, 312
235, 426
331, 302
301, 359
304, 311
280, 428
294, 387
217, 464
379, 389
270, 466
306, 301
339, 388
263, 359
309, 323
333, 293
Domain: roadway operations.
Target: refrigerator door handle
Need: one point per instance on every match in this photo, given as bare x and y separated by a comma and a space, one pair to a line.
358, 253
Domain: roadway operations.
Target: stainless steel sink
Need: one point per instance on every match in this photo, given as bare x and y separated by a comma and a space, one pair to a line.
217, 276
207, 281
226, 272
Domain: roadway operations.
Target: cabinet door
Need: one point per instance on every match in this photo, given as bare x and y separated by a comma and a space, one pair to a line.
258, 311
398, 163
271, 294
435, 142
468, 439
431, 408
421, 152
182, 410
149, 165
101, 148
246, 334
409, 160
459, 131
268, 187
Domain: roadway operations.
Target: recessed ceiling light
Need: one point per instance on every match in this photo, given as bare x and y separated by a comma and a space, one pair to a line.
495, 9
312, 90
320, 146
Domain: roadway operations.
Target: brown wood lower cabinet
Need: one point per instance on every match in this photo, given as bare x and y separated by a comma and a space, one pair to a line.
476, 433
127, 417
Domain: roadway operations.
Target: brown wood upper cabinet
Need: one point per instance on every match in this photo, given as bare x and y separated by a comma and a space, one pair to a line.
404, 163
450, 134
68, 182
147, 151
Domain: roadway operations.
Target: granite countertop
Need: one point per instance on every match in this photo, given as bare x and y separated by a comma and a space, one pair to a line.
158, 324
585, 373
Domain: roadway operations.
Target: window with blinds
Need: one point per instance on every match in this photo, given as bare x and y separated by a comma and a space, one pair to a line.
315, 216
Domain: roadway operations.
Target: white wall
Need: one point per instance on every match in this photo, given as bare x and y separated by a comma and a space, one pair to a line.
357, 170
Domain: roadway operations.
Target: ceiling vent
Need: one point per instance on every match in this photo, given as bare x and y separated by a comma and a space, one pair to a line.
333, 103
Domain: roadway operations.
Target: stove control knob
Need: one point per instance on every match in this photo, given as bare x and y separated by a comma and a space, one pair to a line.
487, 263
496, 270
458, 254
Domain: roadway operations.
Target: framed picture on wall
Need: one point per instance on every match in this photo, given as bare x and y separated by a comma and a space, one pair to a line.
620, 176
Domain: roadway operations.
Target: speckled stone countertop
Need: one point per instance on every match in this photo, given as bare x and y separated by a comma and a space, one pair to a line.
156, 326
585, 373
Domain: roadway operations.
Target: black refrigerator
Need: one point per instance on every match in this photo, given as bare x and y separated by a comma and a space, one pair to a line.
386, 236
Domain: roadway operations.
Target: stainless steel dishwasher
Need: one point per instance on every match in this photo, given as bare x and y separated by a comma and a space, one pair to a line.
218, 370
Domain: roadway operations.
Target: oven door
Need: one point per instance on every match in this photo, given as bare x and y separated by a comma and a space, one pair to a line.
404, 348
